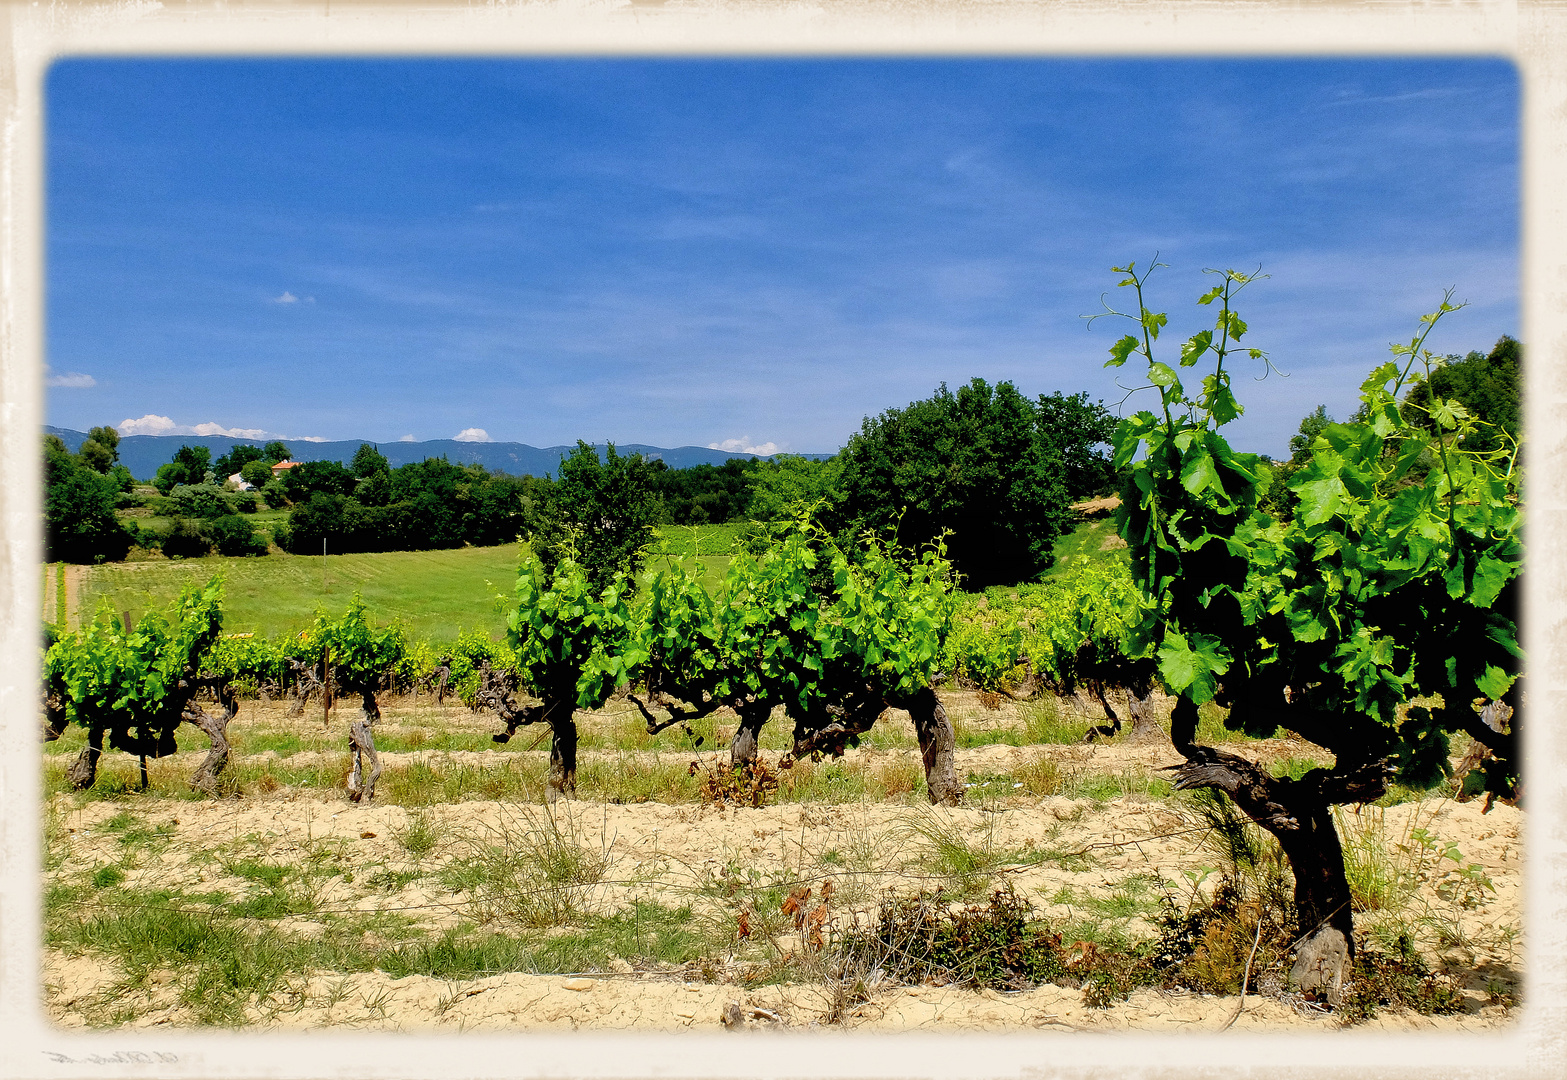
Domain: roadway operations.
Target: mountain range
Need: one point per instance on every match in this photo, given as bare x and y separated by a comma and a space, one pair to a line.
142, 454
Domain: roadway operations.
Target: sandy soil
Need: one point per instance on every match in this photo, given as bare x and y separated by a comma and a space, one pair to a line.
1059, 853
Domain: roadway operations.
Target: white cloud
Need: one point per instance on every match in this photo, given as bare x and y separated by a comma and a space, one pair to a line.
153, 424
743, 445
472, 434
286, 298
71, 380
408, 438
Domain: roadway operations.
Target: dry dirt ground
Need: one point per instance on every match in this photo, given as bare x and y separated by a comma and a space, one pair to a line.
1081, 861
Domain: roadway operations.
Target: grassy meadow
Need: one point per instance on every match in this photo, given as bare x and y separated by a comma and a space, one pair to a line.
436, 593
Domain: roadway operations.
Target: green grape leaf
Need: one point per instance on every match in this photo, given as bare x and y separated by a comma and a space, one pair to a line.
1121, 350
1195, 347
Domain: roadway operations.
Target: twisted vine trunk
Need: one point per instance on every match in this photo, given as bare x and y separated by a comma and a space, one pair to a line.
84, 770
361, 740
742, 748
937, 744
563, 748
215, 727
1298, 813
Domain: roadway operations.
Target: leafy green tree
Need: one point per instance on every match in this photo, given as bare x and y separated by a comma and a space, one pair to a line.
834, 645
568, 639
79, 521
274, 452
1377, 594
137, 687
369, 461
1075, 429
190, 466
202, 501
258, 474
240, 455
780, 488
329, 477
970, 465
704, 493
235, 536
601, 513
101, 450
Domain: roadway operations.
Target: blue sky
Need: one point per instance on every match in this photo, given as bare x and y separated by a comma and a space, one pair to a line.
742, 253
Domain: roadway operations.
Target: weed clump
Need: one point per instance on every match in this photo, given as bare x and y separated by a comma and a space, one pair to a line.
1399, 979
749, 785
923, 938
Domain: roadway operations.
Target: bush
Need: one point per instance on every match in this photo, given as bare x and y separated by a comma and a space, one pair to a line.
272, 494
202, 501
234, 535
186, 540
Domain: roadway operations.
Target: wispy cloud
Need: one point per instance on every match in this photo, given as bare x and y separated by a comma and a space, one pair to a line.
743, 445
1353, 97
71, 380
408, 438
290, 298
472, 434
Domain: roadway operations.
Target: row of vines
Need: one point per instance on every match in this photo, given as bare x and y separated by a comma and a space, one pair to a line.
833, 637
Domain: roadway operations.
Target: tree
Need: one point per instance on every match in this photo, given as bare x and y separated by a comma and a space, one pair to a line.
600, 513
369, 461
190, 466
234, 535
137, 687
101, 450
328, 477
258, 474
782, 486
971, 464
79, 521
274, 452
1075, 428
1279, 500
236, 459
1379, 593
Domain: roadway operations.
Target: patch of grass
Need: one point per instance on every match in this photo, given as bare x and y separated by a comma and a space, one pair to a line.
1101, 787
946, 848
131, 830
1041, 777
537, 869
1295, 767
435, 593
419, 836
420, 783
1399, 979
631, 778
107, 876
1046, 720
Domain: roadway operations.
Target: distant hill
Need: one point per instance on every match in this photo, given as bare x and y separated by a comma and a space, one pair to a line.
142, 454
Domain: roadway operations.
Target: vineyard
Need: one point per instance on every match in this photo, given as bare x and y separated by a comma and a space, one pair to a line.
1239, 775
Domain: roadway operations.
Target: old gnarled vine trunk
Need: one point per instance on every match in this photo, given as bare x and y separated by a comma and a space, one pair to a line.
215, 727
1298, 813
742, 747
937, 745
366, 768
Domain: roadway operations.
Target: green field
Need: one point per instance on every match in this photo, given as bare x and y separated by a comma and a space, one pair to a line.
435, 593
